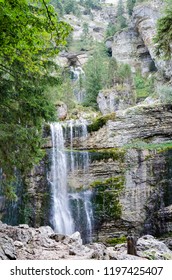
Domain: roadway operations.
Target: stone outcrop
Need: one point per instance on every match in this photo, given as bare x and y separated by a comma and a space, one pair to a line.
62, 111
151, 123
135, 45
114, 99
25, 243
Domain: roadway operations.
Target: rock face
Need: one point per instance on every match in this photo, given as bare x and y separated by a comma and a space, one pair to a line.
62, 111
114, 99
145, 171
152, 123
135, 46
25, 243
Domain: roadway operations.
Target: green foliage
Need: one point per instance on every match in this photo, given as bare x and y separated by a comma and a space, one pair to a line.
121, 20
130, 6
91, 4
102, 72
144, 86
106, 154
100, 122
120, 24
86, 38
124, 73
30, 33
111, 72
62, 92
96, 73
163, 38
58, 6
116, 240
28, 30
165, 94
85, 29
70, 6
106, 199
142, 145
110, 30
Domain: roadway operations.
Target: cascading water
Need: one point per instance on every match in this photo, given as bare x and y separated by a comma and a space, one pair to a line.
77, 76
70, 211
61, 216
82, 211
77, 128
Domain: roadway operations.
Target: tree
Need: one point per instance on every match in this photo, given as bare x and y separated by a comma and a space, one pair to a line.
112, 72
95, 76
30, 34
58, 6
130, 6
120, 8
124, 73
163, 37
111, 30
121, 20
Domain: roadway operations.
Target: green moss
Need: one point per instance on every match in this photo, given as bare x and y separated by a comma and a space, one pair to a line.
143, 145
114, 184
105, 154
166, 235
105, 199
116, 240
100, 122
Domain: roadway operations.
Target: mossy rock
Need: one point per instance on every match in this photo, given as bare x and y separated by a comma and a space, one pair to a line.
100, 122
105, 199
106, 154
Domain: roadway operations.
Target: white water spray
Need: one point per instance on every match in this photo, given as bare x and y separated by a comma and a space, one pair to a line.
61, 216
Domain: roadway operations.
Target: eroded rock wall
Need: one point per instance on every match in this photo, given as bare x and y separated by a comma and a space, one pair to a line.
136, 46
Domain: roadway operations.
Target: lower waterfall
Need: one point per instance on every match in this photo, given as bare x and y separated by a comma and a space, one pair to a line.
71, 210
61, 216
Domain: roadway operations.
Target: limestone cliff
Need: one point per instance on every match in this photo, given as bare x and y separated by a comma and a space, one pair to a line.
135, 45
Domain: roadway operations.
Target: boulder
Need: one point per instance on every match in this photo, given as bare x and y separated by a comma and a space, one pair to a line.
62, 111
7, 248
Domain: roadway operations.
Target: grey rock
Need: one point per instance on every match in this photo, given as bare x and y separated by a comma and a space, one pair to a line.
7, 249
62, 111
112, 100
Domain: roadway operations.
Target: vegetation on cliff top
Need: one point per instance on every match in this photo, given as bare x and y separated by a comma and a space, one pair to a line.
163, 37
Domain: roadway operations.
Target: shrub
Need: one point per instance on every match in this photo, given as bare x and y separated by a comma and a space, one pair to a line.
165, 94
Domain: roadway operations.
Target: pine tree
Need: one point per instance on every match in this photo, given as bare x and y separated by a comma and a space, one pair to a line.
121, 20
130, 6
163, 37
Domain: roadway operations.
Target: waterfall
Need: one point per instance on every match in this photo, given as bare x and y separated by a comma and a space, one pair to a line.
76, 129
82, 210
78, 76
61, 216
71, 211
